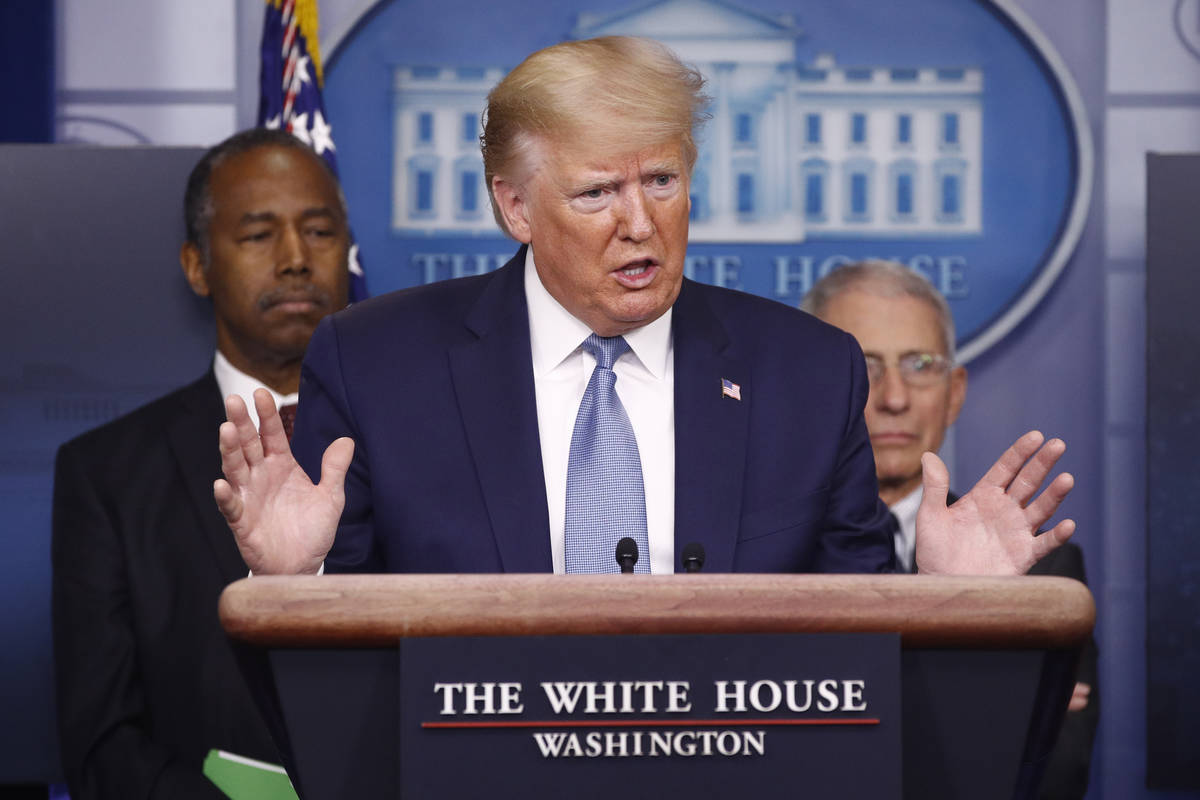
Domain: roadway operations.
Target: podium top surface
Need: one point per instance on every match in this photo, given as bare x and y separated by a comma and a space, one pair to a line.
1022, 612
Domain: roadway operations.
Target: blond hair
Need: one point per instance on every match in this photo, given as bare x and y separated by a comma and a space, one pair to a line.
614, 92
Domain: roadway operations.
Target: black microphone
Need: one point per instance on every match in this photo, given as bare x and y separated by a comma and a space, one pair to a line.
692, 557
627, 554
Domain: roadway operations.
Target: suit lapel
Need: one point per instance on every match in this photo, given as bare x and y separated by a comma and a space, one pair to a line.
710, 431
192, 437
493, 381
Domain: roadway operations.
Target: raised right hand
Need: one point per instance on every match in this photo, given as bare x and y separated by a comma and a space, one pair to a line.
283, 523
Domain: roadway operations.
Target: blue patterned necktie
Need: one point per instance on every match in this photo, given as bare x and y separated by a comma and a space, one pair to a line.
605, 497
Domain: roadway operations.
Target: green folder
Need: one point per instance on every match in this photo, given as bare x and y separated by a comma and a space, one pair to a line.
246, 779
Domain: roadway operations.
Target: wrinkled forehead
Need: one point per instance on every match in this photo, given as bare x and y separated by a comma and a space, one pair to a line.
886, 322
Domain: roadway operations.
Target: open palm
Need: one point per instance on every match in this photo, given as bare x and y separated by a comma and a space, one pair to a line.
993, 529
282, 521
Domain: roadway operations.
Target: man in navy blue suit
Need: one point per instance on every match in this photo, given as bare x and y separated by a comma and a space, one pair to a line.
445, 422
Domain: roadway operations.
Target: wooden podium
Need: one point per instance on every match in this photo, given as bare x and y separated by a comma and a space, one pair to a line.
987, 663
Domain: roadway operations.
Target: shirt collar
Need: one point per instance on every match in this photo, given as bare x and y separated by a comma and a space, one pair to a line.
555, 334
906, 507
231, 380
905, 510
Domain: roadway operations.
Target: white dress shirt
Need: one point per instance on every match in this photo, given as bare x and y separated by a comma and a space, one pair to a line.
905, 510
645, 385
231, 380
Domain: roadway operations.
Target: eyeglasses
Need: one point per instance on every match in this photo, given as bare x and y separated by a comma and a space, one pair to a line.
918, 370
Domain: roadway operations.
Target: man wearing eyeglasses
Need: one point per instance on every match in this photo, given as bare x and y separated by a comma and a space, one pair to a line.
906, 332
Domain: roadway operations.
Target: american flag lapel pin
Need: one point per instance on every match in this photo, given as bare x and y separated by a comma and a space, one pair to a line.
730, 389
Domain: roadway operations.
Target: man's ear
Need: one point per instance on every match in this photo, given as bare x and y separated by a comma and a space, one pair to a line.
192, 261
958, 393
510, 199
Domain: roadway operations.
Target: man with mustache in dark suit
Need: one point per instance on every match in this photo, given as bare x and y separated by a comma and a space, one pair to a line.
147, 683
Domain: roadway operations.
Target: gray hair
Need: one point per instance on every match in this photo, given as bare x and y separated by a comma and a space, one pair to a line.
885, 279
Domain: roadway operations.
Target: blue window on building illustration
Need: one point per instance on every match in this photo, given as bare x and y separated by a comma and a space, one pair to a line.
422, 186
904, 195
425, 127
698, 186
814, 183
903, 182
951, 185
745, 193
858, 195
470, 128
950, 180
950, 129
744, 129
814, 196
812, 128
857, 203
468, 192
424, 190
904, 129
468, 187
858, 128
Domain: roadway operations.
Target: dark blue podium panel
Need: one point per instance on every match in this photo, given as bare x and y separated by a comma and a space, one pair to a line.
762, 716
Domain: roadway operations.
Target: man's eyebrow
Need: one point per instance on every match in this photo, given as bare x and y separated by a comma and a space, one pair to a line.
661, 167
253, 217
320, 211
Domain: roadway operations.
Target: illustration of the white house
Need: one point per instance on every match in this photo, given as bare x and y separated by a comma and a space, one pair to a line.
792, 151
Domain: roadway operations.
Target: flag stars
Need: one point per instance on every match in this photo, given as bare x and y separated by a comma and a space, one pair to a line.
321, 134
298, 127
301, 76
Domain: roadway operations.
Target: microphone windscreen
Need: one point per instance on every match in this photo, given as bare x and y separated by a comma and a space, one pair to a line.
627, 549
692, 557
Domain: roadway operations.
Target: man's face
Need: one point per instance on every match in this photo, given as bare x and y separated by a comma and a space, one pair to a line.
609, 233
277, 256
903, 421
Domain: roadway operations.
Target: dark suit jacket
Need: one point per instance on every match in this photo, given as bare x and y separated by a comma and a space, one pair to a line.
1066, 775
435, 386
147, 682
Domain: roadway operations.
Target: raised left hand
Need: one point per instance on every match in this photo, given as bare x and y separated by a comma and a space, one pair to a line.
992, 530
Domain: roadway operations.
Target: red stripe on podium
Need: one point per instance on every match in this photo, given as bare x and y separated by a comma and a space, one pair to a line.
642, 723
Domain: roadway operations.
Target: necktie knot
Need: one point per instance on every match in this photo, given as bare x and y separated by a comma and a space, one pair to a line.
606, 349
287, 415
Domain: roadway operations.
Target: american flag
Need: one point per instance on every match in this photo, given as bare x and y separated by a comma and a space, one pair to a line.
290, 84
730, 389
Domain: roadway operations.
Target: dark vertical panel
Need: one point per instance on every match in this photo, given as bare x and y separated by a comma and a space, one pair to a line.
1173, 472
27, 70
97, 320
